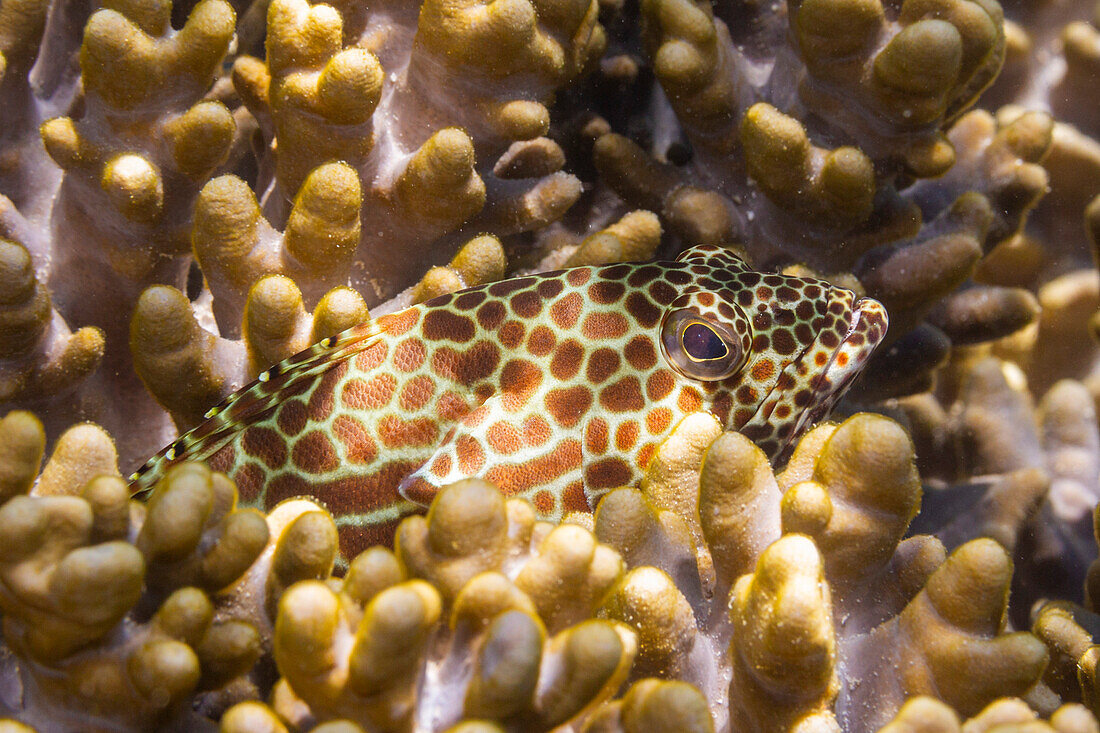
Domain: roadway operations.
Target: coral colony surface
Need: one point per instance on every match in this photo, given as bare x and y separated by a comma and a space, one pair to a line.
563, 502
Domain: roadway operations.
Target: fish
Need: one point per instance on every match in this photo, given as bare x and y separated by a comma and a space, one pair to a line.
556, 387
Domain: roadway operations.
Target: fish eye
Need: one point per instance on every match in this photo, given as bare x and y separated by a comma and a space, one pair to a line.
702, 343
701, 347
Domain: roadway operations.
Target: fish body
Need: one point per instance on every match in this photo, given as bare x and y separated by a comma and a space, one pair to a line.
556, 387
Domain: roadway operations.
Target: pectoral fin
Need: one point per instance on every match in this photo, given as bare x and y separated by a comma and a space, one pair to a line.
461, 454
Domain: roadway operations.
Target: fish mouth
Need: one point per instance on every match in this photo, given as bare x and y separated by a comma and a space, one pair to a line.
817, 378
866, 329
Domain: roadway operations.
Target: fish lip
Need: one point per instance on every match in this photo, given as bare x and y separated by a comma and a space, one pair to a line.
866, 329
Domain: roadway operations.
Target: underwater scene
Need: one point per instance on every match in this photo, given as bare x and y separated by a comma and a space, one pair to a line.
507, 366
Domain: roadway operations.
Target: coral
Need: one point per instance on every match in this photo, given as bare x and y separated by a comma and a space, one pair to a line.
42, 355
330, 142
932, 716
131, 141
82, 561
483, 618
155, 160
844, 147
191, 192
1000, 462
440, 144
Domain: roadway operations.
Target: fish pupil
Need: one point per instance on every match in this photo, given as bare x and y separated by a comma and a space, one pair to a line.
702, 343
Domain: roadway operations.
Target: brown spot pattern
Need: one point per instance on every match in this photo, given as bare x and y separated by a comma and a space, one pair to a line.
536, 431
469, 301
371, 394
518, 382
550, 288
451, 406
355, 538
578, 277
409, 355
763, 370
527, 304
249, 480
418, 489
596, 436
690, 399
223, 459
441, 466
292, 417
361, 493
624, 395
604, 325
491, 315
503, 438
645, 455
783, 341
359, 446
626, 435
322, 401
398, 324
573, 498
443, 324
640, 353
642, 310
609, 473
506, 287
544, 502
602, 364
658, 420
642, 275
721, 407
567, 405
466, 367
659, 385
566, 361
471, 456
566, 311
662, 293
541, 341
606, 292
511, 334
314, 453
482, 393
371, 357
264, 444
416, 392
514, 478
396, 432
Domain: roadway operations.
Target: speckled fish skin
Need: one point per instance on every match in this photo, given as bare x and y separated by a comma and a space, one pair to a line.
557, 387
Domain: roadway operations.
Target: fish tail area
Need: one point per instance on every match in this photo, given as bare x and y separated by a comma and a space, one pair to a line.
253, 402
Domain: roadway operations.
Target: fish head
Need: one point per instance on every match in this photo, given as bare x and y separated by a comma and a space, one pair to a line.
772, 354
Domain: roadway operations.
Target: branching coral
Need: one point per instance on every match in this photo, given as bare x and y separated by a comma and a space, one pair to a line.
454, 129
192, 192
82, 562
843, 147
483, 618
345, 121
358, 135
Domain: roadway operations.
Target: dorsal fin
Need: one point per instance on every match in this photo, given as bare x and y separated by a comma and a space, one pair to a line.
253, 402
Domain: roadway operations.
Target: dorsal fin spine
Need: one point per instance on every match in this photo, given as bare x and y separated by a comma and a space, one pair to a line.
304, 365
